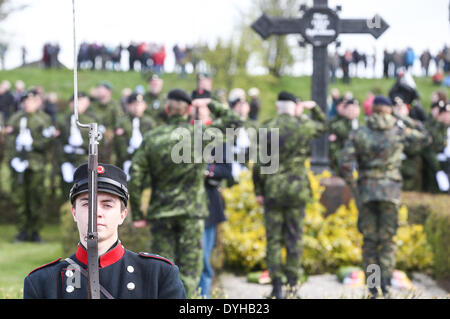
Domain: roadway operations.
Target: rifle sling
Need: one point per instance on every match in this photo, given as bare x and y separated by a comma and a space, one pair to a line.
85, 274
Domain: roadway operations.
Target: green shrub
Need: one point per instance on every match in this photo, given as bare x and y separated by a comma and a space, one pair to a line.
438, 232
329, 242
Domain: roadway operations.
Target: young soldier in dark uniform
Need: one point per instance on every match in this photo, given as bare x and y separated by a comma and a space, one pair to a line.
123, 273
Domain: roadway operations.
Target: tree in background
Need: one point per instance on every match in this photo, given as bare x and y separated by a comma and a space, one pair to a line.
6, 8
274, 53
227, 61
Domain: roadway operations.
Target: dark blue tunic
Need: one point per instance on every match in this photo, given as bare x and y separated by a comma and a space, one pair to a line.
123, 273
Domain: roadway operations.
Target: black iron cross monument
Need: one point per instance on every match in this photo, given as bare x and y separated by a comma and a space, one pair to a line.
319, 26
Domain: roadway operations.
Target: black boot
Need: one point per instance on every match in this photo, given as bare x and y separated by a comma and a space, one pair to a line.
385, 287
21, 237
373, 293
277, 291
292, 289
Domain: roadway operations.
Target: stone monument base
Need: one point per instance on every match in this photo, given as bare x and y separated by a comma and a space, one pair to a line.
336, 193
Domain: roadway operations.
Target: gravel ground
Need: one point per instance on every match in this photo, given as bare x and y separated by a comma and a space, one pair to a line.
324, 286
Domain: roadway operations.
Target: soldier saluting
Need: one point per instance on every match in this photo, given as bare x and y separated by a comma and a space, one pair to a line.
377, 149
284, 193
340, 127
177, 207
122, 273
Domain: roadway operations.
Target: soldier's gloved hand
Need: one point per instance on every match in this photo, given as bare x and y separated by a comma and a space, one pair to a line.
405, 120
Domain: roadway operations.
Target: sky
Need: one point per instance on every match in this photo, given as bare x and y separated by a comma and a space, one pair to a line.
420, 24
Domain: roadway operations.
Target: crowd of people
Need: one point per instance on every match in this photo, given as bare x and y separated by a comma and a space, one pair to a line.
142, 56
96, 56
150, 56
50, 55
352, 63
186, 204
420, 166
405, 59
347, 61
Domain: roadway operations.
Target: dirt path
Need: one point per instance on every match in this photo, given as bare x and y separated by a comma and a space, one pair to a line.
325, 286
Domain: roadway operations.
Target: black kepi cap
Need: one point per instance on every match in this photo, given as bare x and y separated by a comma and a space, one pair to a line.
111, 179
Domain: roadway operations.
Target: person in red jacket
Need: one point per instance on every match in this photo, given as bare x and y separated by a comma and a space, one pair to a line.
158, 60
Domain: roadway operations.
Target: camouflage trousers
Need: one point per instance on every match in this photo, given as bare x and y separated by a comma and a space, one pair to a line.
27, 199
378, 223
179, 238
284, 228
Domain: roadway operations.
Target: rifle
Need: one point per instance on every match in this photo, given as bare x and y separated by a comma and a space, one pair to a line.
92, 235
196, 114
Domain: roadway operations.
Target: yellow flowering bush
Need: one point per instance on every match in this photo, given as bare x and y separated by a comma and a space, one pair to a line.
413, 250
328, 242
244, 234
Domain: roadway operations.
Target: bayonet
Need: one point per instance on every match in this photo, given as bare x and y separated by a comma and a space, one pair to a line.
92, 235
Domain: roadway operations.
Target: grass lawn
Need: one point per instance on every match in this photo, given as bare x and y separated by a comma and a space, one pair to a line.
17, 260
61, 82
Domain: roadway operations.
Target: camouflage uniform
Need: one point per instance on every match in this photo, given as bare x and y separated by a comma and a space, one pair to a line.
377, 148
73, 146
28, 144
341, 127
287, 191
155, 109
411, 168
177, 207
128, 137
107, 116
2, 137
431, 165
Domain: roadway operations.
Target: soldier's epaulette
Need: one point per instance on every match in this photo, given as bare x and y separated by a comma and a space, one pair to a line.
46, 265
148, 255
